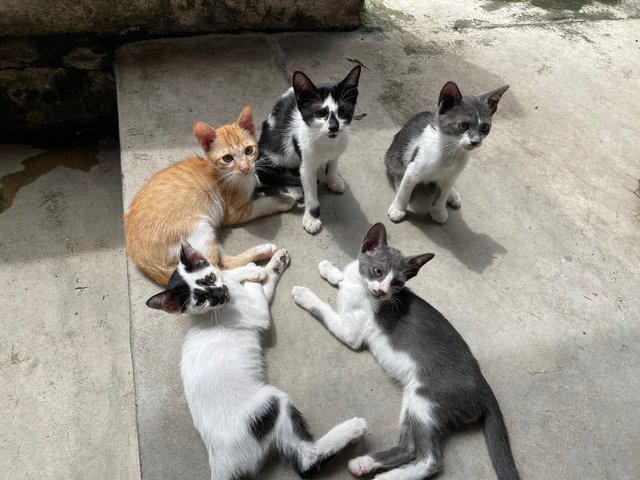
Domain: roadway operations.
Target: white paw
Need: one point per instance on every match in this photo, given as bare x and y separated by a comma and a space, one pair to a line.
303, 297
279, 261
266, 250
361, 465
454, 199
439, 216
336, 184
297, 192
254, 273
311, 224
359, 428
325, 267
395, 214
286, 201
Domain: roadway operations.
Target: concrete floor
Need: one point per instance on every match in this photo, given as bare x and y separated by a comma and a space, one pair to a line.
66, 379
538, 269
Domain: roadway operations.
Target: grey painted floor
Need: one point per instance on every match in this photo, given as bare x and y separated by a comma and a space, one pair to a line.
538, 269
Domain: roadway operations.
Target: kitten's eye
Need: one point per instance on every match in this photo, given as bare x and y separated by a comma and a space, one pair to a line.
398, 284
320, 113
485, 127
249, 150
200, 302
377, 272
212, 279
228, 158
463, 126
342, 112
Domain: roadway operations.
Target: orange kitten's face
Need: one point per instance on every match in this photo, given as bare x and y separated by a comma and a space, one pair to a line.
233, 151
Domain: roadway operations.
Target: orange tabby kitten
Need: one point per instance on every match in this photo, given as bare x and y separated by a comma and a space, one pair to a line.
195, 196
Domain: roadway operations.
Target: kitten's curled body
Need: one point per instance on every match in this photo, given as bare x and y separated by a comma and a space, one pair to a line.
443, 387
194, 197
240, 417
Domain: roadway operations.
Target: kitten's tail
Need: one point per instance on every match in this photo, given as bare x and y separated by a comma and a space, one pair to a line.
497, 438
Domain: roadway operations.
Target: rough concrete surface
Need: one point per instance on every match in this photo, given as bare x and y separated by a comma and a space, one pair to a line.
538, 269
66, 380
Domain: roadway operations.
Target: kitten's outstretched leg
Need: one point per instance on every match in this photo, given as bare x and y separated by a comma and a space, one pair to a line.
349, 333
330, 272
249, 272
311, 218
274, 269
398, 208
334, 181
254, 254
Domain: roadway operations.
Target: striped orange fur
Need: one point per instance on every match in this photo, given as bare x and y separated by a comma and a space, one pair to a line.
195, 196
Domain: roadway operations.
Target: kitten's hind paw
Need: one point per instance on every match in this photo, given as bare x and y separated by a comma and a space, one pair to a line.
395, 214
278, 262
310, 223
454, 198
439, 216
265, 251
304, 297
362, 465
337, 184
286, 201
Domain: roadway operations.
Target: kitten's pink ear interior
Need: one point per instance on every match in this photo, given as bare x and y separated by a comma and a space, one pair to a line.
352, 78
205, 134
245, 120
449, 96
416, 262
375, 237
189, 256
494, 97
166, 301
302, 86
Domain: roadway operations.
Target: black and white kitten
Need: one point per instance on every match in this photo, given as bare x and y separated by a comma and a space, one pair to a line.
305, 131
443, 387
240, 417
434, 148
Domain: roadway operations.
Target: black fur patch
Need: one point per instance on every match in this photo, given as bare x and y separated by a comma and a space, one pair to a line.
264, 422
315, 212
296, 146
300, 427
414, 154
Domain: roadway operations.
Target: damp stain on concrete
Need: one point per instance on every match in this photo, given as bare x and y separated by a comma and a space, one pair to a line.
574, 5
34, 167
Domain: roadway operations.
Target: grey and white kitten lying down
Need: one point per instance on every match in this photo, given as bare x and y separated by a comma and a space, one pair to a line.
240, 417
434, 148
443, 387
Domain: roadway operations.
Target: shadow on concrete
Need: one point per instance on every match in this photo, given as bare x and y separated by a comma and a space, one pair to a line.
475, 250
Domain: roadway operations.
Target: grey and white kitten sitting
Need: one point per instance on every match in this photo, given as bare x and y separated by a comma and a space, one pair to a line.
240, 417
443, 387
307, 130
434, 148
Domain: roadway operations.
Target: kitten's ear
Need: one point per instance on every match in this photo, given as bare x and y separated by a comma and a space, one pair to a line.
375, 237
416, 262
245, 120
166, 301
303, 87
189, 256
492, 98
352, 79
449, 96
205, 134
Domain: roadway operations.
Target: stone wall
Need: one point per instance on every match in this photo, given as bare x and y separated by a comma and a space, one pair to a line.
56, 56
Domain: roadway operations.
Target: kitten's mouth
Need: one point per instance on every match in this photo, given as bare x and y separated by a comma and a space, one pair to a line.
381, 296
332, 135
471, 147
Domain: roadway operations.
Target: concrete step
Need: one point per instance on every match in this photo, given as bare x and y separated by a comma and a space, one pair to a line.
536, 270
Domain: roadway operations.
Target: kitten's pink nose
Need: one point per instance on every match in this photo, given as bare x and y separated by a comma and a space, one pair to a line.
245, 168
380, 291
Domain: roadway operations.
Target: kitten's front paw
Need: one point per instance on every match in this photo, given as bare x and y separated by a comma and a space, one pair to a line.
311, 224
297, 192
337, 184
286, 201
361, 465
358, 428
454, 198
253, 273
326, 268
303, 297
439, 216
266, 250
279, 261
395, 214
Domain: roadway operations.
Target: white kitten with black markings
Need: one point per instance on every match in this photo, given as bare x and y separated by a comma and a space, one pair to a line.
306, 131
240, 417
434, 148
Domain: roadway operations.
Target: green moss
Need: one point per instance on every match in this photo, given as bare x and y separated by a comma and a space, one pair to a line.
377, 16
